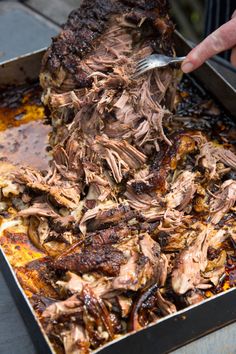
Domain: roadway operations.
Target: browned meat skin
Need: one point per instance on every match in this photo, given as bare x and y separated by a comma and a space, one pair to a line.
106, 260
167, 160
151, 301
112, 235
105, 215
135, 324
37, 277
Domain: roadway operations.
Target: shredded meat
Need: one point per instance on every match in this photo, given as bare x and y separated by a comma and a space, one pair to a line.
192, 261
182, 191
211, 154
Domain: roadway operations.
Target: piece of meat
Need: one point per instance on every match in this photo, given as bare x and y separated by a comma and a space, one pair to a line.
137, 307
193, 297
45, 238
223, 201
149, 248
71, 306
192, 261
112, 235
34, 277
105, 215
187, 272
62, 192
120, 156
106, 260
215, 268
142, 269
211, 154
74, 284
142, 201
38, 231
96, 307
84, 309
76, 340
166, 307
39, 209
125, 304
128, 277
182, 191
167, 160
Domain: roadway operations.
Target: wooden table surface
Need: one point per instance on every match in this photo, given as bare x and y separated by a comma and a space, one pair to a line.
14, 338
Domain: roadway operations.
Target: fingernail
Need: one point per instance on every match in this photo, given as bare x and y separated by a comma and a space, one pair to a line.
187, 67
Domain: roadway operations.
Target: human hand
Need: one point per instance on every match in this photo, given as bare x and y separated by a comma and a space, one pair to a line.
218, 41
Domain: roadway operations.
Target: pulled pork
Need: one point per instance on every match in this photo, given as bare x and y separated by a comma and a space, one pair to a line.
135, 209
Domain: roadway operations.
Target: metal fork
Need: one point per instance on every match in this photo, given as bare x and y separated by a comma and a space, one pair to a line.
155, 61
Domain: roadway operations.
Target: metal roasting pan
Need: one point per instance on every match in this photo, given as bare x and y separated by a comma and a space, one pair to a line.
175, 330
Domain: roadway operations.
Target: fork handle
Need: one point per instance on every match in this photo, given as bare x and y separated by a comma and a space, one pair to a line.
178, 59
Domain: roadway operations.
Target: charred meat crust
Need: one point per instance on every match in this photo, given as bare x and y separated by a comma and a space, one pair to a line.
85, 26
107, 260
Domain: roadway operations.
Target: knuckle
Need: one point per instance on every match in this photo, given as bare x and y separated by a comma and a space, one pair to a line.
217, 42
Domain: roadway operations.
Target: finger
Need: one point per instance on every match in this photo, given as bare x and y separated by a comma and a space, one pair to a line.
233, 52
222, 39
233, 56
